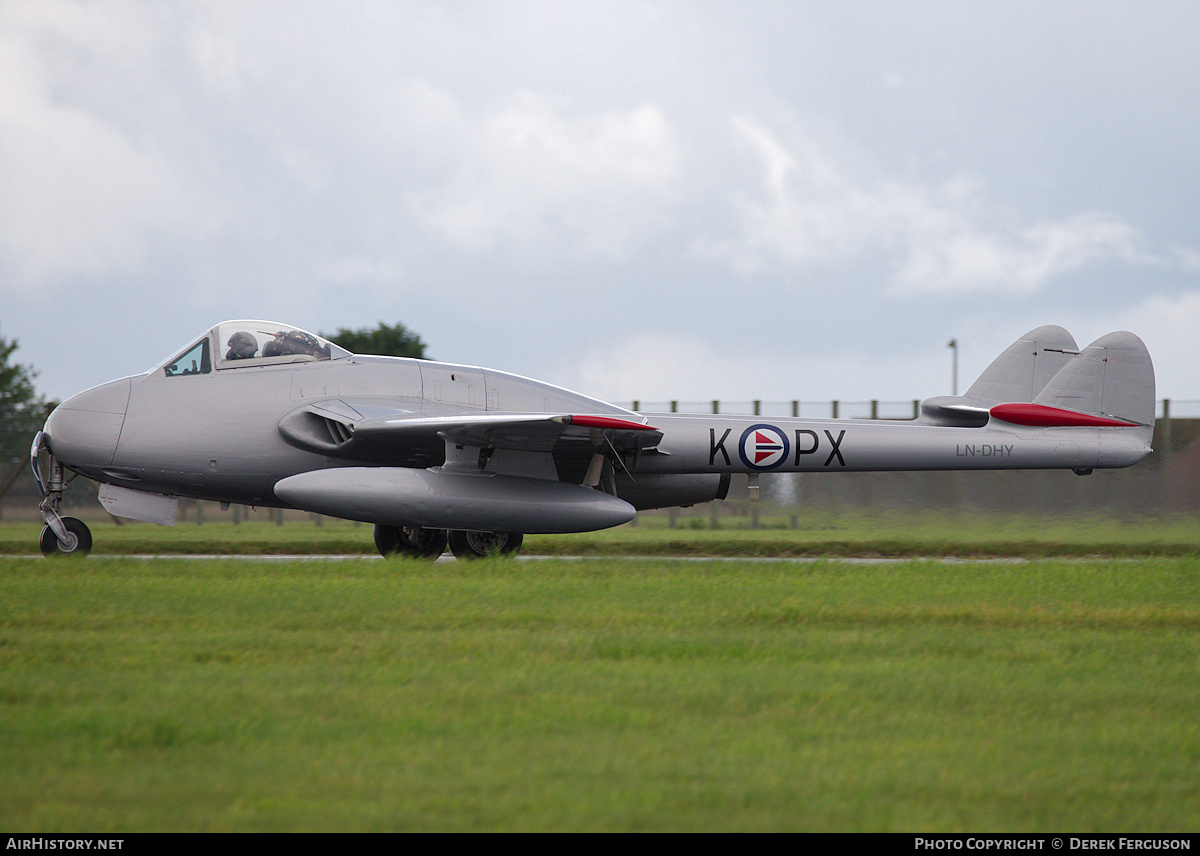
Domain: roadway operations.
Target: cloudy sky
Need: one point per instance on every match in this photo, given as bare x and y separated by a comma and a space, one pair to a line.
651, 200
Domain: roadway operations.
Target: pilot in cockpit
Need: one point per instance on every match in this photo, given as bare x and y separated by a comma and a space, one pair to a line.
242, 346
295, 342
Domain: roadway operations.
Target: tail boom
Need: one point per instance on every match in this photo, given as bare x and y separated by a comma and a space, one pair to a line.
752, 445
1042, 404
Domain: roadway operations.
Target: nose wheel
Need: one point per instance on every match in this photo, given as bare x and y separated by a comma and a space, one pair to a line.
77, 540
61, 536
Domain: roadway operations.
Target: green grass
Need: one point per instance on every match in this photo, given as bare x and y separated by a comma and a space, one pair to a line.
915, 534
815, 534
600, 694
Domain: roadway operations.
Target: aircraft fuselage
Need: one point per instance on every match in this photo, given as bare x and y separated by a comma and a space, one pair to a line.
264, 414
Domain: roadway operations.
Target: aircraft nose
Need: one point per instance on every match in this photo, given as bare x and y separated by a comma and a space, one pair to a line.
83, 430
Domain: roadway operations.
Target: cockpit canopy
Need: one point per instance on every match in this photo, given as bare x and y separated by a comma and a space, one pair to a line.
238, 344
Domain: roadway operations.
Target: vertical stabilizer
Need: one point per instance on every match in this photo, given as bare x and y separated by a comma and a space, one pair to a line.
1018, 374
1113, 377
1026, 366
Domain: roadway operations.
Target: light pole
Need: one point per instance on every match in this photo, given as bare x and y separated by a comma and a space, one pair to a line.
953, 345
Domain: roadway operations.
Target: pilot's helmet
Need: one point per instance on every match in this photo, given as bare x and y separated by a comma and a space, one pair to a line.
299, 342
242, 346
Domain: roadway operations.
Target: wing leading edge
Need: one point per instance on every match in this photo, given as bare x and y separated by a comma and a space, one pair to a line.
404, 438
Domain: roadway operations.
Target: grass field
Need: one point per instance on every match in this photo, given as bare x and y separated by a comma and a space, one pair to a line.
603, 693
815, 534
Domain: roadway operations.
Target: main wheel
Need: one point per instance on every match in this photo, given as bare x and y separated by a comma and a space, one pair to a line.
410, 541
476, 545
78, 543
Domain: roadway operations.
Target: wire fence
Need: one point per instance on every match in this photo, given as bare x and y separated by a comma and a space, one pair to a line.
1166, 484
1167, 408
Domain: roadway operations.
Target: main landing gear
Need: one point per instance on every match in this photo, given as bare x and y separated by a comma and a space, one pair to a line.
411, 542
416, 543
61, 536
476, 545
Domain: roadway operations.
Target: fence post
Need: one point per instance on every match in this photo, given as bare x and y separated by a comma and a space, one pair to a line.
1166, 427
835, 408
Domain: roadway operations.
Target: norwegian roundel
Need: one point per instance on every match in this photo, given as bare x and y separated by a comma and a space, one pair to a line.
763, 447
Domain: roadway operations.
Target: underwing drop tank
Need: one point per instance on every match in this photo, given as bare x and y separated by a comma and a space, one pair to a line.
440, 498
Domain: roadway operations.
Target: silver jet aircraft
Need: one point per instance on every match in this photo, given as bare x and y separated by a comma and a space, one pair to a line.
431, 453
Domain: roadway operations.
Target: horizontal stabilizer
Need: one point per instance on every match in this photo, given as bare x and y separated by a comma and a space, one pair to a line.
1043, 416
955, 411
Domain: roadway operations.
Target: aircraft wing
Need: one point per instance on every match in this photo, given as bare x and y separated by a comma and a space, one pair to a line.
395, 437
536, 432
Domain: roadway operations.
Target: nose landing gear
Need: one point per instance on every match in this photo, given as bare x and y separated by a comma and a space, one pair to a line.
61, 536
78, 540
